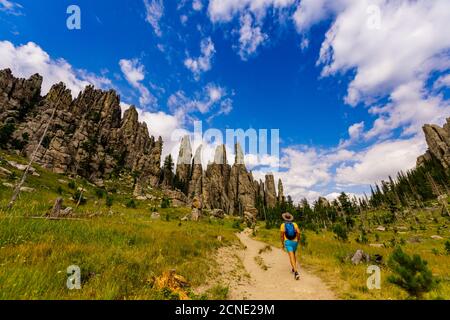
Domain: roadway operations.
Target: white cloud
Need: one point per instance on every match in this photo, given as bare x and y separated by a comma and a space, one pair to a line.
203, 63
408, 45
381, 160
442, 82
225, 10
251, 37
154, 12
134, 73
310, 12
197, 5
10, 7
209, 99
410, 107
26, 60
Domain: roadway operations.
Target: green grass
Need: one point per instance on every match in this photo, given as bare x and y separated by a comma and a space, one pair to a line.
120, 250
326, 256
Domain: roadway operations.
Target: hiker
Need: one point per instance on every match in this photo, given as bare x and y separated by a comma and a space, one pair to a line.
290, 236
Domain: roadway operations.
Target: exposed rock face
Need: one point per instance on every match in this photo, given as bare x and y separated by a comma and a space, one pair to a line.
280, 191
87, 136
184, 160
17, 96
216, 182
270, 192
231, 189
438, 140
195, 188
242, 191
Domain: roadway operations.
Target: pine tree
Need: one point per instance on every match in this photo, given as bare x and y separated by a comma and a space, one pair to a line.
411, 273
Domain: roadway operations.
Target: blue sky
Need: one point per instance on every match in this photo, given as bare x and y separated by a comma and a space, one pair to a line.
348, 83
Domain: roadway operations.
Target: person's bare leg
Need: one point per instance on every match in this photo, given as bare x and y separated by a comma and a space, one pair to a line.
293, 261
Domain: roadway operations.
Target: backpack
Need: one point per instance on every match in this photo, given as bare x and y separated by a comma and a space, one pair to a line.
289, 231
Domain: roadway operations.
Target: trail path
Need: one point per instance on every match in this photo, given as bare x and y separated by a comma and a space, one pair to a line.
277, 282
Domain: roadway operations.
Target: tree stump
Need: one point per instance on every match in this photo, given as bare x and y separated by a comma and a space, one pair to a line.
57, 208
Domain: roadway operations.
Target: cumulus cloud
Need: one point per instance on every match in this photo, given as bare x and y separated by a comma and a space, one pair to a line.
202, 63
134, 73
225, 10
26, 60
310, 12
380, 161
384, 58
154, 10
209, 99
250, 37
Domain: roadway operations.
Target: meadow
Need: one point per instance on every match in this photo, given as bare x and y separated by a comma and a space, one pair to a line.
123, 252
119, 248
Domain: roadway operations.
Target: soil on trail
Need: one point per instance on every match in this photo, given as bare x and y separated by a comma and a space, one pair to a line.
270, 276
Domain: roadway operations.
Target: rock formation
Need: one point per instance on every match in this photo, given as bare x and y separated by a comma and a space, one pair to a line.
216, 182
438, 140
88, 135
280, 191
270, 194
184, 160
231, 189
195, 188
241, 191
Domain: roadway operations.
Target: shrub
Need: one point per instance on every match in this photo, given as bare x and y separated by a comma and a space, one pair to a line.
6, 132
109, 201
303, 240
362, 238
59, 190
165, 203
78, 197
99, 193
71, 185
340, 232
237, 225
447, 246
411, 273
131, 204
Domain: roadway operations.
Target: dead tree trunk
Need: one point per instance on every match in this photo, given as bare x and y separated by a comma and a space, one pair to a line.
25, 173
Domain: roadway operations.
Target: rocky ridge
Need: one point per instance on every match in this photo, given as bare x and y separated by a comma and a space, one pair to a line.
89, 137
230, 188
438, 141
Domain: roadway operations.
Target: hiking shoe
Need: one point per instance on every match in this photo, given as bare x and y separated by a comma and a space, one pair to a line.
297, 276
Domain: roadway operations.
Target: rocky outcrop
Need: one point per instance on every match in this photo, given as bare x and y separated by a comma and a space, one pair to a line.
184, 160
87, 137
195, 188
216, 182
231, 189
17, 96
280, 191
438, 140
241, 191
270, 194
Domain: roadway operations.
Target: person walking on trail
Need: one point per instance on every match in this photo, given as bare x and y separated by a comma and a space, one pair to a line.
290, 237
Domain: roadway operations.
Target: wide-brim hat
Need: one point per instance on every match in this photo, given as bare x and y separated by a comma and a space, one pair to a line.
287, 217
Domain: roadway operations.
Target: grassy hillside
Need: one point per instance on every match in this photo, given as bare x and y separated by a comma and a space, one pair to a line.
330, 258
121, 251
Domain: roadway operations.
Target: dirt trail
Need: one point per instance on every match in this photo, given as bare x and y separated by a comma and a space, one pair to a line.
271, 277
